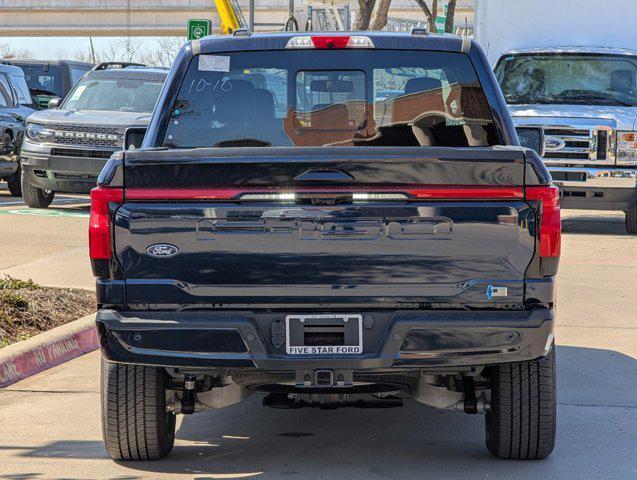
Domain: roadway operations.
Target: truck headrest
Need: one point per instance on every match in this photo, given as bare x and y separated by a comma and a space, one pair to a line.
236, 105
421, 84
264, 103
622, 81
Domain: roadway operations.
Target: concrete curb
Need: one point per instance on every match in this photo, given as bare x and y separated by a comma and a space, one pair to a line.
48, 349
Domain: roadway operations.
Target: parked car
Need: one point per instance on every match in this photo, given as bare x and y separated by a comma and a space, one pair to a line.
49, 79
351, 250
15, 106
578, 82
65, 148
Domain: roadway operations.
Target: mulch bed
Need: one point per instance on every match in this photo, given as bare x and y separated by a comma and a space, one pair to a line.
27, 309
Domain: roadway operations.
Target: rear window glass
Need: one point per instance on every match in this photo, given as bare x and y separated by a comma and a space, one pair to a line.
115, 95
330, 98
6, 99
77, 73
21, 90
44, 79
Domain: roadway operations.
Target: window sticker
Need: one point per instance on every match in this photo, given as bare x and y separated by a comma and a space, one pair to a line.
214, 63
77, 93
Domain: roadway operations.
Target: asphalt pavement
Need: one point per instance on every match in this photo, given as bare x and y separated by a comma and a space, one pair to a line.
47, 245
50, 423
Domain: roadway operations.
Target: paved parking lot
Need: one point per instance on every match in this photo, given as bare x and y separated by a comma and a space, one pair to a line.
50, 423
39, 244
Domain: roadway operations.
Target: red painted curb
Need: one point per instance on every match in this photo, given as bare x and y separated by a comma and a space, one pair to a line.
49, 355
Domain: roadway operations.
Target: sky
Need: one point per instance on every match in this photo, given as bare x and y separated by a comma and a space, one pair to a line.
51, 48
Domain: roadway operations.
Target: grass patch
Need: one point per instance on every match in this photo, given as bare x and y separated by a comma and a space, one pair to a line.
10, 283
13, 300
27, 309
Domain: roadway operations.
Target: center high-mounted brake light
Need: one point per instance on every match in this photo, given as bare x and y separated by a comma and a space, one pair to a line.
99, 226
330, 42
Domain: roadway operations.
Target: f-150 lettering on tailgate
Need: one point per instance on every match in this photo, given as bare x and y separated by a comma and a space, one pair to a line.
330, 228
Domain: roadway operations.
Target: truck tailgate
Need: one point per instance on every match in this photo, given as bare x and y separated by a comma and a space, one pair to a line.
357, 226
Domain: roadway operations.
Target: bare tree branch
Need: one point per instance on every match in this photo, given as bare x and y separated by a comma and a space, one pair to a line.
365, 9
165, 52
451, 12
85, 56
429, 16
380, 17
9, 52
133, 50
434, 14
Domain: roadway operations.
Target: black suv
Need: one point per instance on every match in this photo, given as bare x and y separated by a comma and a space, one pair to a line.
51, 79
65, 148
15, 106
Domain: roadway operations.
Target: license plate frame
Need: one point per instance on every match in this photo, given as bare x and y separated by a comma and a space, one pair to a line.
352, 336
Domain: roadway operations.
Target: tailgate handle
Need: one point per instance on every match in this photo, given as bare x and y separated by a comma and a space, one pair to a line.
324, 175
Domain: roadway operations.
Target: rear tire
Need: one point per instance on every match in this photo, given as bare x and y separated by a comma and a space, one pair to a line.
14, 182
135, 423
631, 221
521, 423
35, 197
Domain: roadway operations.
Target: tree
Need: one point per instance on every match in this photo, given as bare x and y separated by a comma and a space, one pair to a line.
134, 50
430, 14
126, 49
365, 10
380, 17
451, 12
165, 52
8, 52
84, 56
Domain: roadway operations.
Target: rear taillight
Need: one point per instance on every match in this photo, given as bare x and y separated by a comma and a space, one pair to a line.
330, 42
455, 192
550, 222
99, 227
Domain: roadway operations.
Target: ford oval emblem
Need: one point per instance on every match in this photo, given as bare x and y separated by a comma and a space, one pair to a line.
163, 250
553, 143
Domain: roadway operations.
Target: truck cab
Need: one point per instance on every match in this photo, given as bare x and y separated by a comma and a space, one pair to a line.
585, 100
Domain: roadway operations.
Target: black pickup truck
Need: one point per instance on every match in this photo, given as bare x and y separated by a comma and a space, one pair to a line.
328, 220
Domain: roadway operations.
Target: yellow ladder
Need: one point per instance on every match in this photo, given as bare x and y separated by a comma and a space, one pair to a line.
231, 16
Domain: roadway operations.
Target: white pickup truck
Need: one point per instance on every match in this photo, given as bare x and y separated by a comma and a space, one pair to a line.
562, 72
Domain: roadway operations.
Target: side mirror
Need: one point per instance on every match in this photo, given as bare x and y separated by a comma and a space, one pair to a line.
133, 137
55, 102
533, 138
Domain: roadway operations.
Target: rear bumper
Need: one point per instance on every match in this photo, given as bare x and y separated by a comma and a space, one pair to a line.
595, 188
7, 168
57, 172
403, 339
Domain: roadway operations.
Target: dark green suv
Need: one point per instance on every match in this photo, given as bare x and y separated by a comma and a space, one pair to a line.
51, 79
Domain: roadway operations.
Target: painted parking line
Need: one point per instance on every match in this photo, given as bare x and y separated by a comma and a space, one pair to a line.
61, 201
44, 212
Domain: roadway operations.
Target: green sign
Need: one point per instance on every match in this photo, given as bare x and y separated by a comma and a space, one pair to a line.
440, 24
198, 28
440, 20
